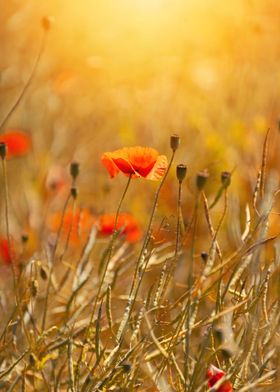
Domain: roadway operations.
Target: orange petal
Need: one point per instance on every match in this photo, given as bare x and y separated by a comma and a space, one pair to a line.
159, 168
18, 143
109, 164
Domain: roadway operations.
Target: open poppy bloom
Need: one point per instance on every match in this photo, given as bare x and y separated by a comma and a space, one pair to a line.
78, 224
127, 224
18, 143
136, 162
214, 374
5, 253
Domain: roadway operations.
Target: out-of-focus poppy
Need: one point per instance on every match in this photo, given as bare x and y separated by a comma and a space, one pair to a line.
79, 223
57, 180
127, 224
6, 253
18, 143
214, 374
135, 161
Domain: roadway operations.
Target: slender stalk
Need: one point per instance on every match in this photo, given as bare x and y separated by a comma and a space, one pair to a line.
110, 251
137, 282
189, 301
15, 283
28, 83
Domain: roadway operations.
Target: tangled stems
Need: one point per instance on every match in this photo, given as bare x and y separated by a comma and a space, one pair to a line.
112, 243
141, 259
105, 267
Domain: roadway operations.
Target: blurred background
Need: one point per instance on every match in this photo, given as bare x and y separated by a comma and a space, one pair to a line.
120, 73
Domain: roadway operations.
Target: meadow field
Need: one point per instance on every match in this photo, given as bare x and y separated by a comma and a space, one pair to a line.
139, 195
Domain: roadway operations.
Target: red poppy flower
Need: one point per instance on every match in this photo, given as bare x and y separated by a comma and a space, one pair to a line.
18, 143
135, 161
80, 224
5, 253
214, 374
126, 223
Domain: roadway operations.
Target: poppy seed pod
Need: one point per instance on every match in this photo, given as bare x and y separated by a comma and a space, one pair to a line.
74, 192
3, 150
74, 170
225, 179
174, 141
201, 179
181, 172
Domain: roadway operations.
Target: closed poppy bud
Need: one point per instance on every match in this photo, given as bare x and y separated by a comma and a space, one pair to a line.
181, 172
74, 192
3, 150
46, 23
174, 141
74, 170
201, 179
225, 178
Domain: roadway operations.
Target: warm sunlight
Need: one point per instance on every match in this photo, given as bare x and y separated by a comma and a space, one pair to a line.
139, 183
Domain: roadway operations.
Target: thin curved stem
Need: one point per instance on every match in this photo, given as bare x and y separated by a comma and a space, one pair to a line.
28, 83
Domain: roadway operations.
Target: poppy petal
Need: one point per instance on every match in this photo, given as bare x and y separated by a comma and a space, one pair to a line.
159, 168
18, 143
109, 164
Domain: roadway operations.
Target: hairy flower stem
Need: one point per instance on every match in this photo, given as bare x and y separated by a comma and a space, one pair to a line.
140, 269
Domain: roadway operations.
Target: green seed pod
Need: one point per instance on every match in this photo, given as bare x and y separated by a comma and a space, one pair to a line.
201, 179
74, 170
181, 172
174, 141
